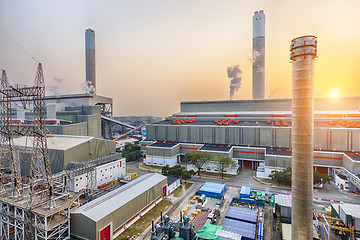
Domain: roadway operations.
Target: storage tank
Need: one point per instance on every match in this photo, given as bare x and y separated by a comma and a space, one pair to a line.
202, 199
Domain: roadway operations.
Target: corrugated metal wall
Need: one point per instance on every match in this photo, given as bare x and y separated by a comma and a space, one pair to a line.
131, 208
325, 138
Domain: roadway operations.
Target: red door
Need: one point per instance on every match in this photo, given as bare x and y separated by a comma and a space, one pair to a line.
105, 233
247, 164
164, 191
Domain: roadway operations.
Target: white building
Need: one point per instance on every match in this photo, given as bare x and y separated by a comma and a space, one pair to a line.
102, 174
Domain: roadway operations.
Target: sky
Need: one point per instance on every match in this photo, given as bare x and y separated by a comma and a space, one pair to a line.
153, 54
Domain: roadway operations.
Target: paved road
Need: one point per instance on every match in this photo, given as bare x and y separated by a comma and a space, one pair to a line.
132, 167
330, 191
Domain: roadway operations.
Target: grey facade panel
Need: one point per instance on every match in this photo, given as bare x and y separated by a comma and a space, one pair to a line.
320, 104
80, 225
265, 137
340, 139
132, 208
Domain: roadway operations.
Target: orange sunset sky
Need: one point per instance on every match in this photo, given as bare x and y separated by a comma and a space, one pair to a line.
151, 55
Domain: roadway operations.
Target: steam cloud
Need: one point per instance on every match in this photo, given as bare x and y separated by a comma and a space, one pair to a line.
272, 93
256, 55
55, 89
234, 73
87, 87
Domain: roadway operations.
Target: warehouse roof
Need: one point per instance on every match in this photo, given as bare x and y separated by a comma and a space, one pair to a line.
351, 209
250, 122
283, 200
269, 150
216, 147
104, 205
57, 142
165, 144
210, 187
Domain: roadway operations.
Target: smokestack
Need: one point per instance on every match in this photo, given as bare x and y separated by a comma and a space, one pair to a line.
302, 53
259, 55
90, 60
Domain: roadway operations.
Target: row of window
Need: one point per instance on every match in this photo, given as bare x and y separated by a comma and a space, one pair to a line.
209, 169
112, 167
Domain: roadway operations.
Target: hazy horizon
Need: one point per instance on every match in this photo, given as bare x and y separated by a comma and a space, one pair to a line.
151, 55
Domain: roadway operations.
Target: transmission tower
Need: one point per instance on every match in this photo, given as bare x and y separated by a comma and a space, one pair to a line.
9, 158
39, 208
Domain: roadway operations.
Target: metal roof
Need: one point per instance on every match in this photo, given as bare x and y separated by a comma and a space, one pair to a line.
216, 147
212, 187
351, 209
283, 200
165, 144
56, 142
105, 205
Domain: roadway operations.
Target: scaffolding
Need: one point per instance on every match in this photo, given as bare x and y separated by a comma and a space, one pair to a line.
37, 206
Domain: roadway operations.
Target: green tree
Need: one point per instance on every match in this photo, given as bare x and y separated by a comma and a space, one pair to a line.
282, 177
321, 178
131, 152
198, 159
178, 171
223, 162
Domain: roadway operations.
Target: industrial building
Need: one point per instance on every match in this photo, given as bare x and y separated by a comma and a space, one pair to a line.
257, 133
65, 149
121, 142
98, 176
108, 216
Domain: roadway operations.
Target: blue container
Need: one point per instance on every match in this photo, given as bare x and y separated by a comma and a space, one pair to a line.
245, 192
213, 190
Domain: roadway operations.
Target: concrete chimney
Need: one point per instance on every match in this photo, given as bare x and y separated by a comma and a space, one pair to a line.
258, 55
303, 50
90, 60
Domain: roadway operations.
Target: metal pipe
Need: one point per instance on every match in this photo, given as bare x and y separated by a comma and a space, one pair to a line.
303, 51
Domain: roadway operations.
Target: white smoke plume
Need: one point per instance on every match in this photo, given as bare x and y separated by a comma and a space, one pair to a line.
255, 56
234, 73
272, 93
87, 87
58, 80
55, 89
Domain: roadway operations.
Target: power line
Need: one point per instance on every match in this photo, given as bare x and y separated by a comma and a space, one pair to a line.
18, 44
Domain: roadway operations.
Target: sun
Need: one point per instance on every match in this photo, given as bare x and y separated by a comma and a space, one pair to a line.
334, 94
